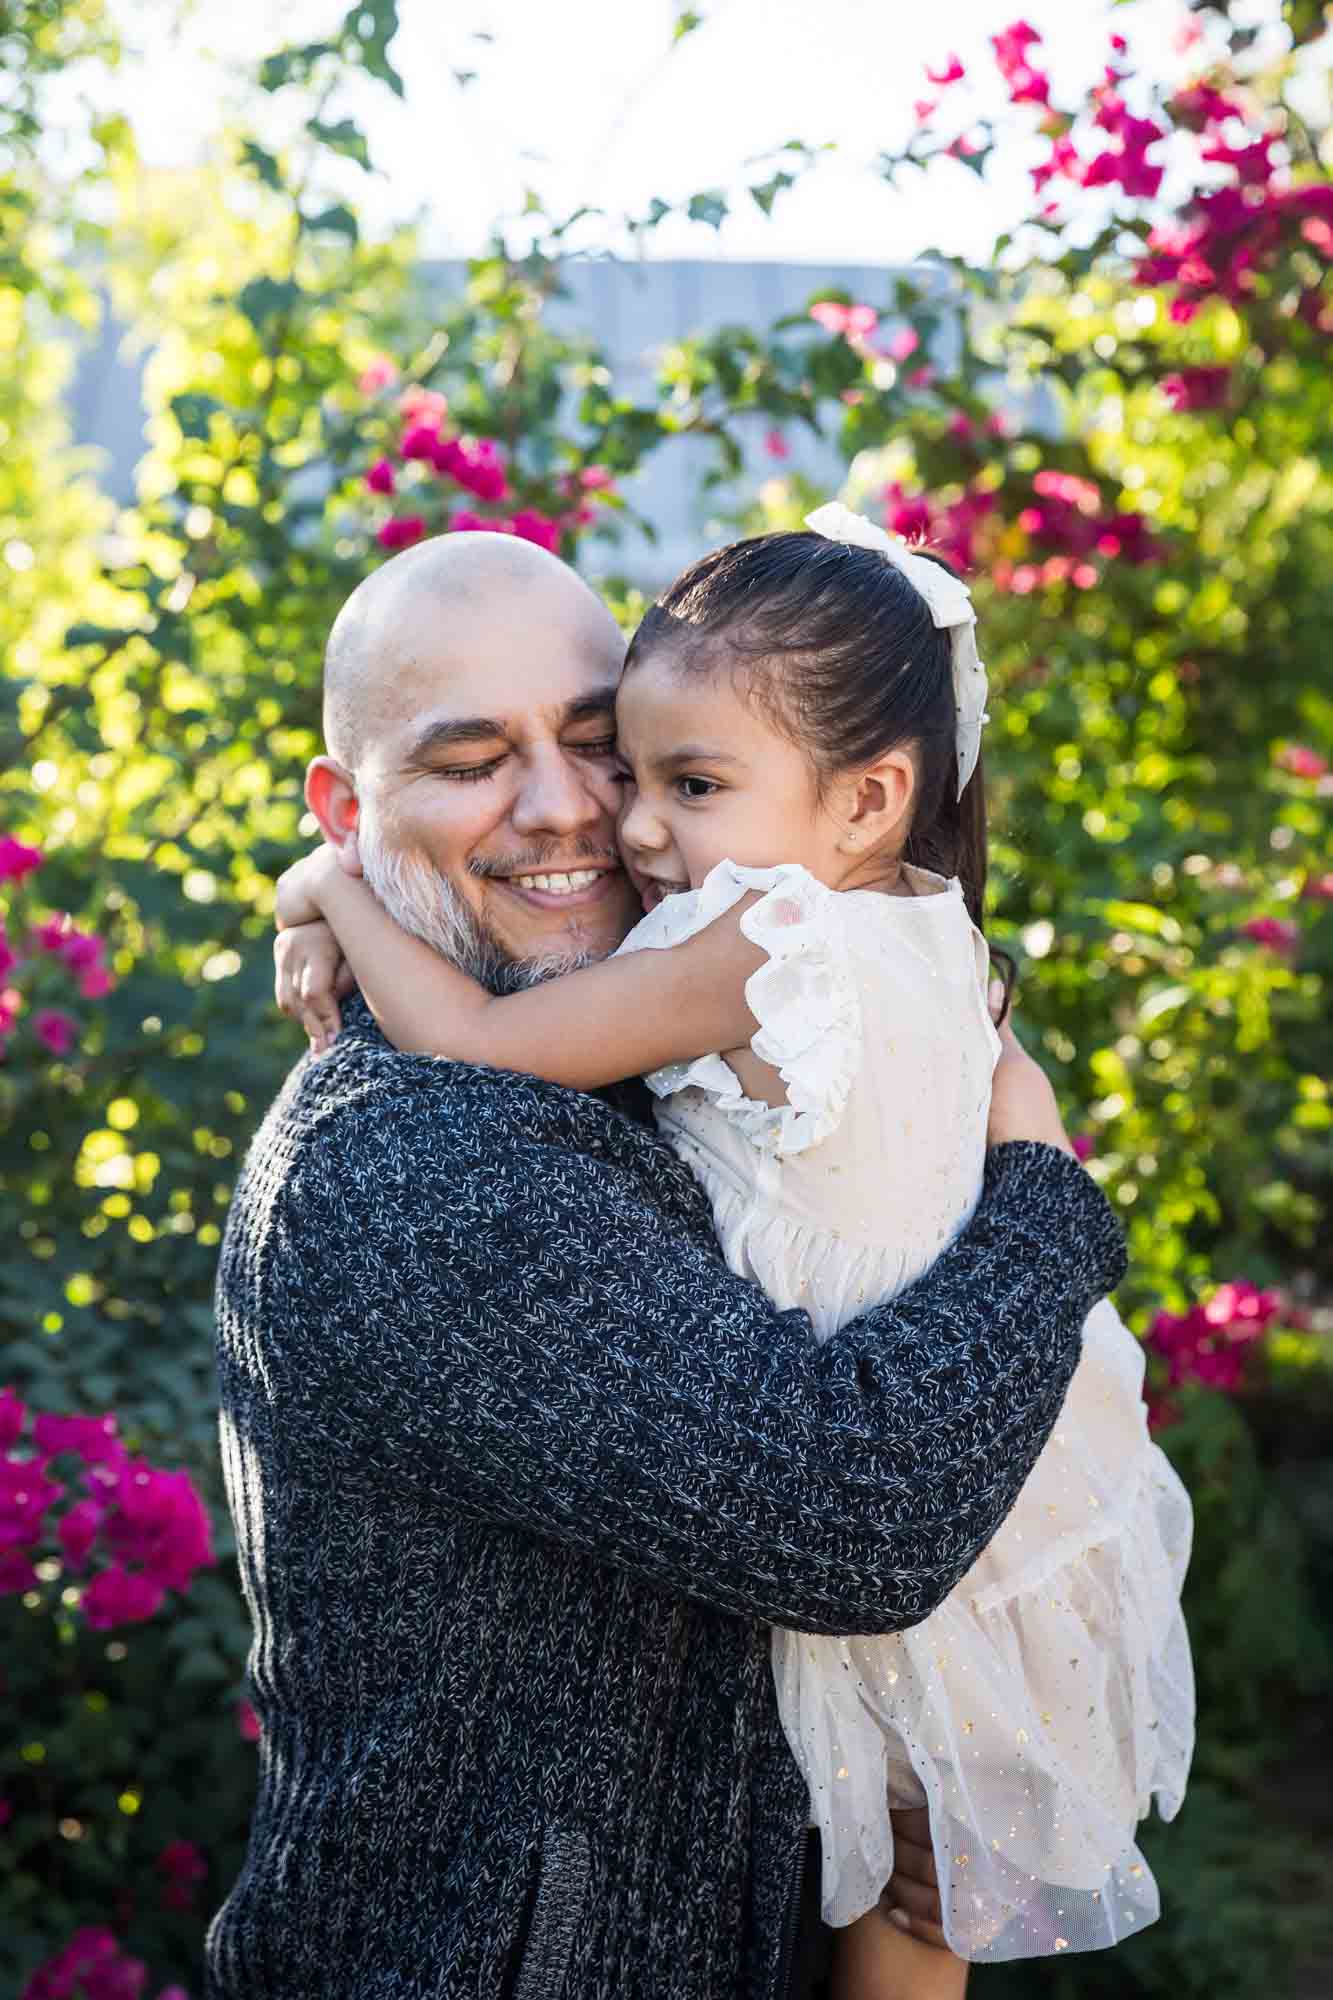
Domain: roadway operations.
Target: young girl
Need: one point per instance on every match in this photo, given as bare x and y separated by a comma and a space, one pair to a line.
800, 722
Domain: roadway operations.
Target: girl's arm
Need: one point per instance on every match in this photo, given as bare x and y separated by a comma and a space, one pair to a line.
620, 1018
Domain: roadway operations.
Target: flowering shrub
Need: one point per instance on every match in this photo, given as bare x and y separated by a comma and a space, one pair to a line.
1118, 427
41, 960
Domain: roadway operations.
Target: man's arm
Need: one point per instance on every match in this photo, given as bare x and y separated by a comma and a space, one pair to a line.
518, 1329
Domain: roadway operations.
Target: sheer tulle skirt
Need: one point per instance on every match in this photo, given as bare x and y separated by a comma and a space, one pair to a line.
1037, 1713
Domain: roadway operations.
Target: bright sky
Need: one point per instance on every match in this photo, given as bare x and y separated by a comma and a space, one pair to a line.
589, 102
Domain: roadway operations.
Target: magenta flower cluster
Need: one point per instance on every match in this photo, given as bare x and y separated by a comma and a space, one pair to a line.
93, 1966
141, 1531
475, 466
55, 943
1212, 1342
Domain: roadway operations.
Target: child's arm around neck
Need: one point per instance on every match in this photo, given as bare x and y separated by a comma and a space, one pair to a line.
622, 1017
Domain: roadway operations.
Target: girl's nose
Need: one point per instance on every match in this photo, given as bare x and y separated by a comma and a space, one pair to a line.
640, 829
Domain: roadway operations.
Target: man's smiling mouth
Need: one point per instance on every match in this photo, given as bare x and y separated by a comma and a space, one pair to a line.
563, 884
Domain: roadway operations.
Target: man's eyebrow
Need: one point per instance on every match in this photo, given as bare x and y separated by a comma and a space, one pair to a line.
448, 735
591, 707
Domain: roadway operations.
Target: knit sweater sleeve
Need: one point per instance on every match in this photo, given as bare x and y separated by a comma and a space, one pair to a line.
518, 1332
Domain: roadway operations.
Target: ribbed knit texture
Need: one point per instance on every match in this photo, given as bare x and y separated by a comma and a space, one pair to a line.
519, 1470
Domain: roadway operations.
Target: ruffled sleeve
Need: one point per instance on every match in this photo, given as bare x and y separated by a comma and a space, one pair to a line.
804, 998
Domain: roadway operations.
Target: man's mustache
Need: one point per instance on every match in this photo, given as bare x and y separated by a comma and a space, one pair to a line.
537, 860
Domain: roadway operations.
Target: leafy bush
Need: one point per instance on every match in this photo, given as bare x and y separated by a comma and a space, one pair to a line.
1119, 427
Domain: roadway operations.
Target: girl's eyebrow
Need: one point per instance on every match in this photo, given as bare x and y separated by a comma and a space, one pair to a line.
693, 753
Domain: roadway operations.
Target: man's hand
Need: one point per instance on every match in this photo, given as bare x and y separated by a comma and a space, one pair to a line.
912, 1897
310, 976
1022, 1104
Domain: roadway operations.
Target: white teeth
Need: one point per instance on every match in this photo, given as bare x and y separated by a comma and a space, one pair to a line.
559, 885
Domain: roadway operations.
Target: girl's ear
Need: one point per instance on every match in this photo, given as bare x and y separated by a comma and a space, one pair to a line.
880, 804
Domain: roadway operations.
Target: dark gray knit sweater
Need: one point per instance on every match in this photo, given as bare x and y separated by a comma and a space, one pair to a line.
520, 1473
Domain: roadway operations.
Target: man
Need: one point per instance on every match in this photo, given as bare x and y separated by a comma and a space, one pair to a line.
521, 1472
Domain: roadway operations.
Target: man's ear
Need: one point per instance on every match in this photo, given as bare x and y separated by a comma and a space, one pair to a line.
330, 793
882, 803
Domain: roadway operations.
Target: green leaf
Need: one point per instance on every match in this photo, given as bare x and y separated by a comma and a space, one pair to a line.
192, 413
263, 164
264, 298
346, 137
339, 220
767, 192
710, 206
686, 23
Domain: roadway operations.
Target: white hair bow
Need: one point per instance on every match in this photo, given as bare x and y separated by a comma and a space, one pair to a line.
949, 602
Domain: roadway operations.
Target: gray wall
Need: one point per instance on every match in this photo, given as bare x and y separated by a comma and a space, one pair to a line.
632, 310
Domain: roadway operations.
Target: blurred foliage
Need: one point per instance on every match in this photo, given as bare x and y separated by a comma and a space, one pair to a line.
160, 700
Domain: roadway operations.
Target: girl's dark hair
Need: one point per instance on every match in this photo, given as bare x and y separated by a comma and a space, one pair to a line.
843, 653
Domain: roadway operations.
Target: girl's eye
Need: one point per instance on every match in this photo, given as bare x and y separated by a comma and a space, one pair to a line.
697, 788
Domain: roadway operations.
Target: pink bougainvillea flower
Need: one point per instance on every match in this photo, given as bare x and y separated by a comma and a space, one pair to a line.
16, 1573
1026, 84
953, 72
161, 1523
81, 949
184, 1866
93, 1439
96, 983
1318, 889
91, 1967
17, 861
475, 464
920, 378
420, 440
1063, 159
400, 531
852, 322
1084, 1144
25, 1495
464, 522
423, 406
1301, 761
961, 426
907, 514
50, 935
1276, 933
530, 526
58, 1032
78, 1530
903, 344
381, 477
13, 1416
597, 479
380, 374
1199, 104
924, 109
1197, 388
117, 1596
8, 956
247, 1722
6, 1812
775, 444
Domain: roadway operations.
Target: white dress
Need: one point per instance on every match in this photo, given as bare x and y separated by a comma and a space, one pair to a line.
1050, 1698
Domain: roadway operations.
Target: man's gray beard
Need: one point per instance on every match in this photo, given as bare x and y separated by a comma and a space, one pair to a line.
425, 903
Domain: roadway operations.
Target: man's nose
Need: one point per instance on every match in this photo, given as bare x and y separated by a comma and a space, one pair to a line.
555, 796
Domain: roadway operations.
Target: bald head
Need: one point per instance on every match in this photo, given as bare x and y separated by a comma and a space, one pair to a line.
405, 621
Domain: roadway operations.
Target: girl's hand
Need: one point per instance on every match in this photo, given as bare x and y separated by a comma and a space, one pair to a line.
298, 899
311, 976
